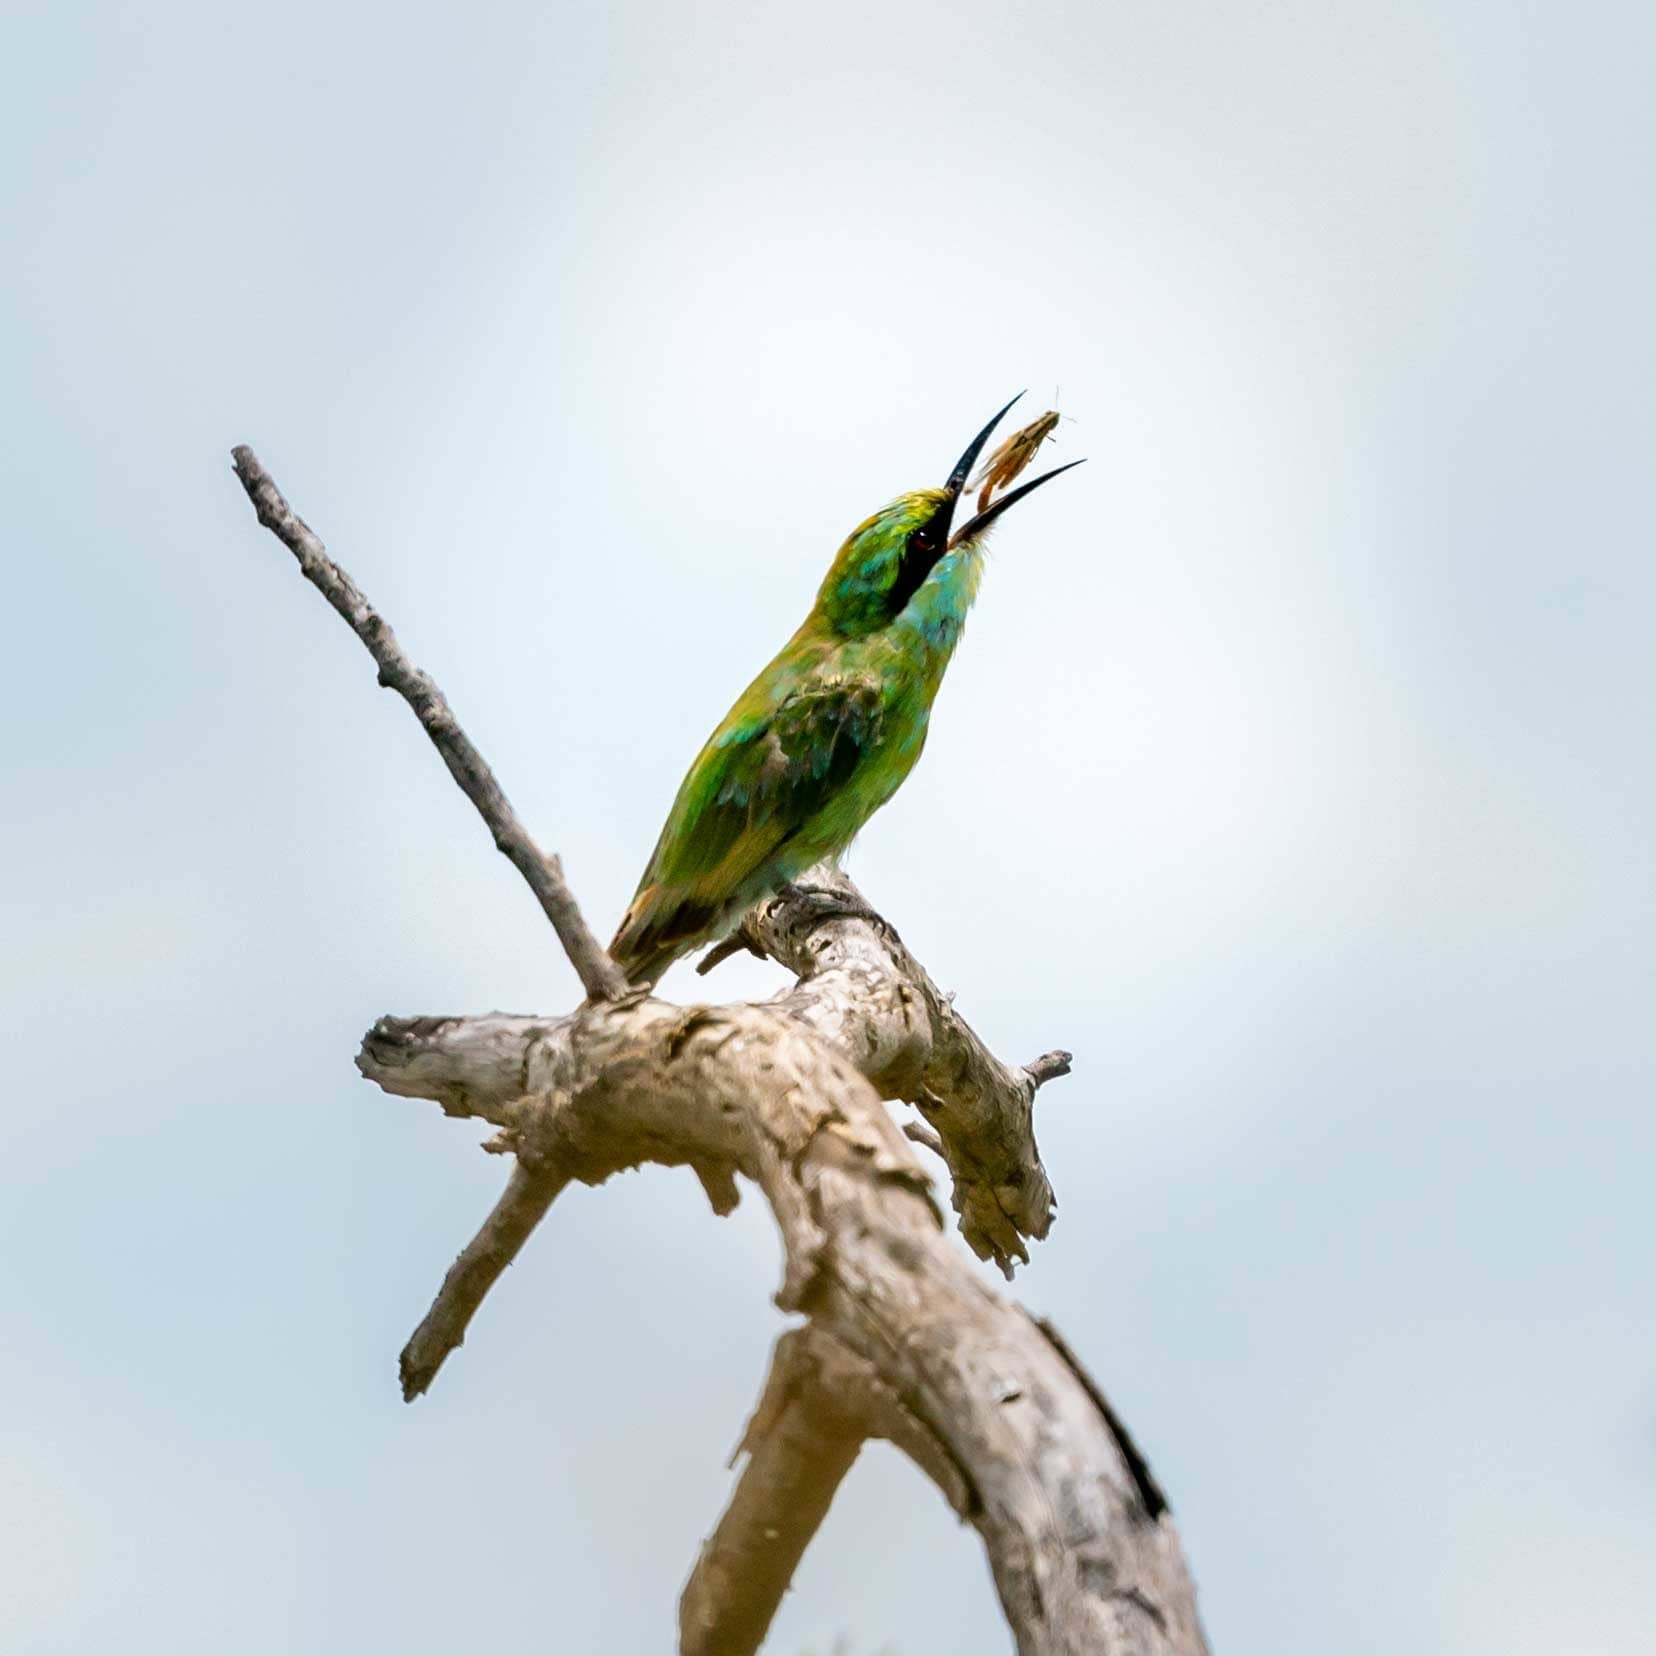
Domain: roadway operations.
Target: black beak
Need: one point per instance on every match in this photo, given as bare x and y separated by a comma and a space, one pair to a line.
973, 527
963, 466
957, 478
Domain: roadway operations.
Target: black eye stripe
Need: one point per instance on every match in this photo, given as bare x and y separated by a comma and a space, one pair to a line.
920, 554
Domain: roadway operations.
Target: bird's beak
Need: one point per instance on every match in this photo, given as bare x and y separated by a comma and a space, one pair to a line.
962, 470
973, 527
963, 466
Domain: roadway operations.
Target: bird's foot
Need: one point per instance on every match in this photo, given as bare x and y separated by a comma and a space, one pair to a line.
825, 903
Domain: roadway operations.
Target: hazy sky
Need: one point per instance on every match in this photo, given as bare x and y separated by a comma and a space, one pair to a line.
1296, 772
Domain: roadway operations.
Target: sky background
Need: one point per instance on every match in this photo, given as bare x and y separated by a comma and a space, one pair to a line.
1296, 771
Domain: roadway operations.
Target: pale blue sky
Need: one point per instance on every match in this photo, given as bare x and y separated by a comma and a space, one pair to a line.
1296, 772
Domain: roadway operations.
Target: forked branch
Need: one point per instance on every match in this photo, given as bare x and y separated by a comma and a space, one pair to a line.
1083, 1549
820, 1404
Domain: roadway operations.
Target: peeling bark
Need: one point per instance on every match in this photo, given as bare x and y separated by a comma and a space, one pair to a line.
1084, 1552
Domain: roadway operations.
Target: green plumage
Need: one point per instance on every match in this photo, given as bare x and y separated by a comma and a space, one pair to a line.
820, 740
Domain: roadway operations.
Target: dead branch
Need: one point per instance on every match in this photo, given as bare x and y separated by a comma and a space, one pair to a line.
599, 975
1083, 1549
820, 1404
862, 990
521, 1207
800, 1444
903, 1340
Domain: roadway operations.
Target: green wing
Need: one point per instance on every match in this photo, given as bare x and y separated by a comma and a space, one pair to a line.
761, 779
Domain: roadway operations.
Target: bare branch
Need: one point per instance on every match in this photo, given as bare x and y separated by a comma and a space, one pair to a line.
521, 1207
600, 976
1085, 1560
1048, 1067
800, 1444
476, 1066
820, 1403
917, 1132
862, 990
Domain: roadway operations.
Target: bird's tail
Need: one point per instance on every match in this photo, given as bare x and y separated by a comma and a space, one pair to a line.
658, 927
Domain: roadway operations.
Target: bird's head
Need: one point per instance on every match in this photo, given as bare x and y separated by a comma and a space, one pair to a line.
885, 560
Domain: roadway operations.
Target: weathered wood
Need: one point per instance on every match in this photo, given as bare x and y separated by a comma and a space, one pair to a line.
803, 1438
862, 991
820, 1403
1083, 1549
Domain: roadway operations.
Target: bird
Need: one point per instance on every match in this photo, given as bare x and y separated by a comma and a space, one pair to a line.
827, 732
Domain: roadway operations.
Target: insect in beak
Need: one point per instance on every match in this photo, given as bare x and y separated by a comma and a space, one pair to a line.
973, 527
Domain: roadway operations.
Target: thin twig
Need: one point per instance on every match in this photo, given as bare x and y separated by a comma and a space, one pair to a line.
521, 1207
919, 1133
600, 976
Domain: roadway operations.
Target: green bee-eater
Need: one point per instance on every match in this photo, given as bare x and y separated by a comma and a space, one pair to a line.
824, 736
